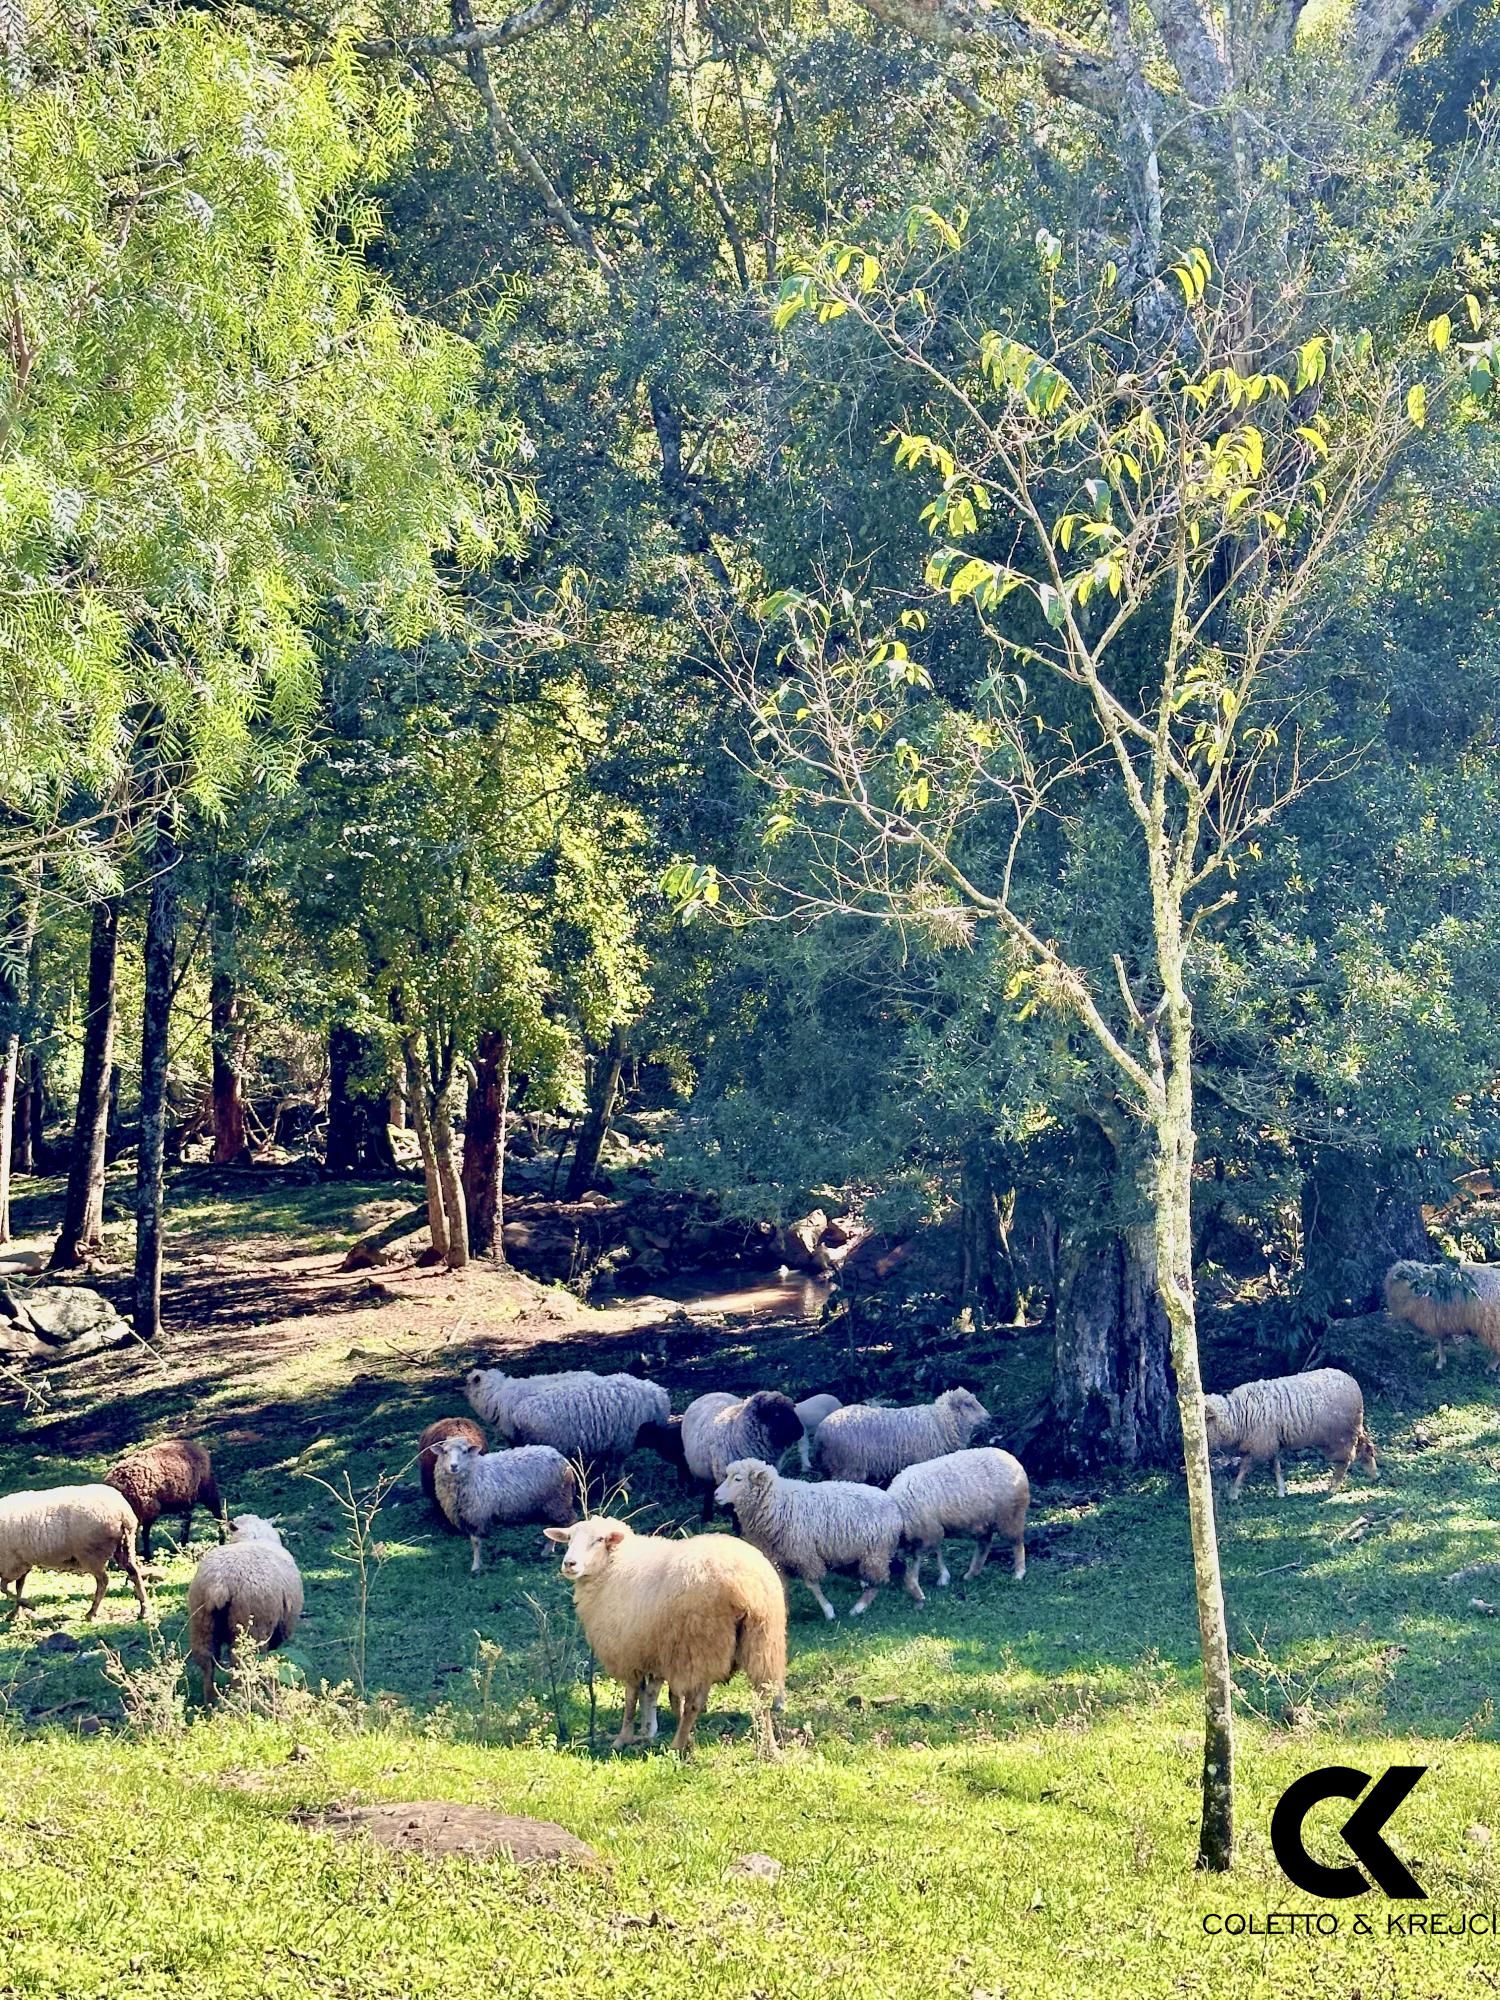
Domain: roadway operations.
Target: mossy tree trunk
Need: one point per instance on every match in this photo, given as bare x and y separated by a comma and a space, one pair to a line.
82, 1232
484, 1145
603, 1102
156, 1020
17, 976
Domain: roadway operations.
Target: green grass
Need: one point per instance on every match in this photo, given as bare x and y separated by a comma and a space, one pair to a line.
994, 1795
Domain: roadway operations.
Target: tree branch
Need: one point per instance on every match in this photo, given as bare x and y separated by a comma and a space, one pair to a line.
471, 35
1068, 67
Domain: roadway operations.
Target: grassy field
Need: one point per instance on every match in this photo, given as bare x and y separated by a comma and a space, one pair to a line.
996, 1795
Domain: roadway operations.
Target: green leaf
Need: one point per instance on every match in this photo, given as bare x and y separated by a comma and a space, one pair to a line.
1416, 404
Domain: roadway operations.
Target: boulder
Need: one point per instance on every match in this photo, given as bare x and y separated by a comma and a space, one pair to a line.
801, 1243
58, 1323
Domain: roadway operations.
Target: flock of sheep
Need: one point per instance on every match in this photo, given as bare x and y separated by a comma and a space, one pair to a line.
690, 1612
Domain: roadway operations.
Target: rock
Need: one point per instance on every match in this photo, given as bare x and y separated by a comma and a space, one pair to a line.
365, 1257
60, 1642
436, 1827
756, 1867
59, 1323
430, 1258
836, 1235
800, 1243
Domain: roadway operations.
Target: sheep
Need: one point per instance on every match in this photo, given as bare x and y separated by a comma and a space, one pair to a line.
810, 1529
810, 1413
1447, 1301
480, 1491
665, 1439
249, 1588
594, 1421
983, 1492
79, 1530
432, 1437
688, 1613
172, 1477
1322, 1410
495, 1396
719, 1428
869, 1442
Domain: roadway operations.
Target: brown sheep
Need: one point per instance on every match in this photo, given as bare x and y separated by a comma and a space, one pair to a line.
172, 1477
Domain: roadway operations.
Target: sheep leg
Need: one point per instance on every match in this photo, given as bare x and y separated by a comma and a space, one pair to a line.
627, 1721
476, 1543
981, 1557
649, 1698
146, 1541
864, 1600
20, 1586
1340, 1473
816, 1587
1018, 1560
101, 1584
693, 1700
911, 1583
132, 1569
1280, 1477
1442, 1358
804, 1455
1239, 1476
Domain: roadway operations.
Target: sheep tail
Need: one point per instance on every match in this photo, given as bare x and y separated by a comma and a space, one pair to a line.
761, 1653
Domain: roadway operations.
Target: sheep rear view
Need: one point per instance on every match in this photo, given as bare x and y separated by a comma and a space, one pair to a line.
1448, 1302
594, 1421
495, 1396
982, 1492
75, 1530
687, 1614
248, 1589
870, 1443
172, 1477
1322, 1411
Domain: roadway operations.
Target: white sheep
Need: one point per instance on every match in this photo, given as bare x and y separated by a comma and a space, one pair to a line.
250, 1588
78, 1530
719, 1428
595, 1421
981, 1492
688, 1613
496, 1396
870, 1442
481, 1491
809, 1529
1322, 1410
810, 1413
1448, 1301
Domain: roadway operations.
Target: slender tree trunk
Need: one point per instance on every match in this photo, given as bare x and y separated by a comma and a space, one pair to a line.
10, 1057
156, 1021
601, 1111
416, 1103
82, 1229
484, 1145
23, 1144
395, 1106
359, 1140
227, 1034
448, 1174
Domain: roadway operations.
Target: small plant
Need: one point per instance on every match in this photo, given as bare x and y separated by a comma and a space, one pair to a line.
558, 1659
360, 1551
152, 1695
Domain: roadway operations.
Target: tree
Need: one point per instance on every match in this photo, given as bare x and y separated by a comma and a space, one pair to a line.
1164, 523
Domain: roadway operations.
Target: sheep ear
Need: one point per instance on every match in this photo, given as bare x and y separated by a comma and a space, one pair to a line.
612, 1537
557, 1534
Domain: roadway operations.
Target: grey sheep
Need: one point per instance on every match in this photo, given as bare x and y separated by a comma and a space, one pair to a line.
595, 1421
982, 1492
810, 1413
1448, 1301
496, 1396
867, 1441
248, 1589
172, 1477
808, 1529
719, 1428
78, 1530
1322, 1411
480, 1491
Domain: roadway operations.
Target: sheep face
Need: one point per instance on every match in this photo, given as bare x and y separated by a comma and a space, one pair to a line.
745, 1480
965, 1407
1221, 1433
591, 1546
450, 1452
777, 1414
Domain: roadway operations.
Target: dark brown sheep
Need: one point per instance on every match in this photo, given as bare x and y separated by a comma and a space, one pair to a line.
172, 1477
432, 1437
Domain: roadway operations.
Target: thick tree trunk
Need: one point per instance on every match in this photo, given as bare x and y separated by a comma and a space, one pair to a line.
484, 1145
82, 1232
359, 1141
395, 1106
1113, 1398
156, 1021
227, 1036
1356, 1223
601, 1111
988, 1278
18, 968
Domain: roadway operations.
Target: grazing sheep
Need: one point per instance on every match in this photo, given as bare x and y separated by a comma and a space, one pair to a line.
480, 1491
869, 1442
496, 1396
595, 1421
1322, 1410
172, 1477
79, 1530
810, 1413
810, 1529
250, 1589
432, 1437
1448, 1301
719, 1428
687, 1613
982, 1492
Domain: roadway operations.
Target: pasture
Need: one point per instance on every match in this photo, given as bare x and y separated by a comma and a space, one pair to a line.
996, 1795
